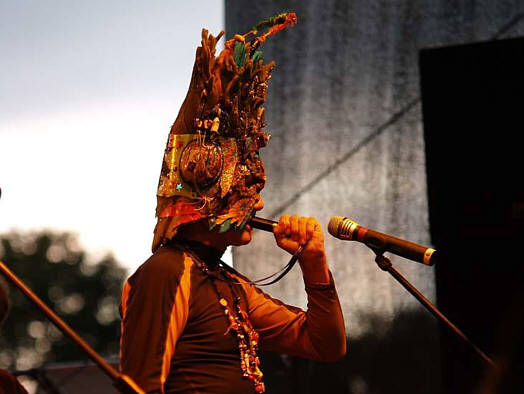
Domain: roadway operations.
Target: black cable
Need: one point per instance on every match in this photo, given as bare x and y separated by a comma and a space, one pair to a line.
258, 282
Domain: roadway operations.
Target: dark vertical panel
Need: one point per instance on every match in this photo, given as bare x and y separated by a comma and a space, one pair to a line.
473, 107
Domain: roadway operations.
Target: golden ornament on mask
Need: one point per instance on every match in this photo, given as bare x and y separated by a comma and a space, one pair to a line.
201, 164
215, 125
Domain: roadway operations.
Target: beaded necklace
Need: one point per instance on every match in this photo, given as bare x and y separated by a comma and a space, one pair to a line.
239, 324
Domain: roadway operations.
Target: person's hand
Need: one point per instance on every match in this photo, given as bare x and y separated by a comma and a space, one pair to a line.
293, 231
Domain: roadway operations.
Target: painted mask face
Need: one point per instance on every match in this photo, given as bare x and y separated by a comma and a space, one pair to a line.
211, 168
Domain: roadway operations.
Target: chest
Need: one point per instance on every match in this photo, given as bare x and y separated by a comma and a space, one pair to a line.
207, 324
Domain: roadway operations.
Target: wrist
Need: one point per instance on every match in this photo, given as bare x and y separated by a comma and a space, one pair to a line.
315, 269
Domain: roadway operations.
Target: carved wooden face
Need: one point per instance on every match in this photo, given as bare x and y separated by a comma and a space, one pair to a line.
201, 164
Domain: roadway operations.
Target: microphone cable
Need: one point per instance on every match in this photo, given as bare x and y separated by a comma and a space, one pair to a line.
261, 224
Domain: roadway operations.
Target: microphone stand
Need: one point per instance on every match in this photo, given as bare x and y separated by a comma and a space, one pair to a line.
385, 265
123, 382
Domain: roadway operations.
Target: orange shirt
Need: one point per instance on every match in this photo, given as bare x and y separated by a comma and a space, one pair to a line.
173, 325
9, 384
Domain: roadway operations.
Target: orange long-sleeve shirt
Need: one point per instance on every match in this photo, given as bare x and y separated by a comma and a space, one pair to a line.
173, 326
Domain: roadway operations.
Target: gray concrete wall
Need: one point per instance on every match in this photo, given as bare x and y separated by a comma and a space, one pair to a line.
344, 111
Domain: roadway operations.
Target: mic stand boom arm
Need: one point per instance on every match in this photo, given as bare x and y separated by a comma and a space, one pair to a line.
122, 382
385, 264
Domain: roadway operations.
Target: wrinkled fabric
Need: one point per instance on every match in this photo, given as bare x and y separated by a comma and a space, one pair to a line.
173, 327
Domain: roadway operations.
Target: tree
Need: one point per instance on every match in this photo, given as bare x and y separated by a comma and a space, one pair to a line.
83, 293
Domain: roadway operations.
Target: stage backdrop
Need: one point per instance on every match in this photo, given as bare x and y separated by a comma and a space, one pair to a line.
344, 111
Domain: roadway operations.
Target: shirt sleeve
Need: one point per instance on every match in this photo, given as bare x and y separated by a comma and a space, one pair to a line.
154, 310
318, 333
9, 384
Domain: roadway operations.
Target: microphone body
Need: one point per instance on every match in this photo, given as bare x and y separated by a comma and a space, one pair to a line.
346, 229
262, 224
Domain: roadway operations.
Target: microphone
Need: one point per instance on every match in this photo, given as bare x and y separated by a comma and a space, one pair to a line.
262, 224
346, 229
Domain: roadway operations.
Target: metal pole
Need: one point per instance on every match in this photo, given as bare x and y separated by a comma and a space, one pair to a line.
385, 264
123, 382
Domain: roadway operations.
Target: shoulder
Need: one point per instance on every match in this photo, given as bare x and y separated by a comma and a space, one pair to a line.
166, 263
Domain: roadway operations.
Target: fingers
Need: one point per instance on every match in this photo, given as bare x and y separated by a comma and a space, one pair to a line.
302, 231
299, 229
311, 227
283, 226
294, 221
293, 231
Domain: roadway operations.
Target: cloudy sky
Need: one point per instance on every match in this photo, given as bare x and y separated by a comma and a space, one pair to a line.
88, 93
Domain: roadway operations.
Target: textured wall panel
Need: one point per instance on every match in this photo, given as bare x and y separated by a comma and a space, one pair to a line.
345, 114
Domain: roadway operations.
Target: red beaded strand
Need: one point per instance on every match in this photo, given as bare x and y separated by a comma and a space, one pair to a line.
247, 338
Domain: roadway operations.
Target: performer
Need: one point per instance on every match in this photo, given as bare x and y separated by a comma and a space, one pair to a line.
189, 322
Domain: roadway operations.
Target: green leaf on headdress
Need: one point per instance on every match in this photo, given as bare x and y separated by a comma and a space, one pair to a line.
225, 226
269, 22
256, 57
239, 54
244, 222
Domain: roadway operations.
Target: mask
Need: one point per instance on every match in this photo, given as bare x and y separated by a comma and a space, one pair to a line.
211, 167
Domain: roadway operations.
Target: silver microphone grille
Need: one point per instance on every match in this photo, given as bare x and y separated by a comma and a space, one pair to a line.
342, 227
333, 225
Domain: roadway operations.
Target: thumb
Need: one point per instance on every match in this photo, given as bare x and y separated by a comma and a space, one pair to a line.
278, 230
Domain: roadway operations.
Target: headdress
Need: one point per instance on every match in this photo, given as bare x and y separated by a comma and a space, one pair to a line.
211, 167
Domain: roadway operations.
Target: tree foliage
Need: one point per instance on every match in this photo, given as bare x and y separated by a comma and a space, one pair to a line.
85, 294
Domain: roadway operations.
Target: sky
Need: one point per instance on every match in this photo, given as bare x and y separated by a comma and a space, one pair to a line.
88, 92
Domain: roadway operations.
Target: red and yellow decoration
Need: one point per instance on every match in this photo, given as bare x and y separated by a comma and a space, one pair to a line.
247, 339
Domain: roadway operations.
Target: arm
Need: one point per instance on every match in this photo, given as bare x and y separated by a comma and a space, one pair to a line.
318, 333
154, 309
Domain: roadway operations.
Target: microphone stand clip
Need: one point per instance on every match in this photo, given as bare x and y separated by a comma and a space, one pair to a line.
385, 264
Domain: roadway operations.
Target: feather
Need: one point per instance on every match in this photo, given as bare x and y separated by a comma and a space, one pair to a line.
225, 226
271, 21
239, 54
256, 57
